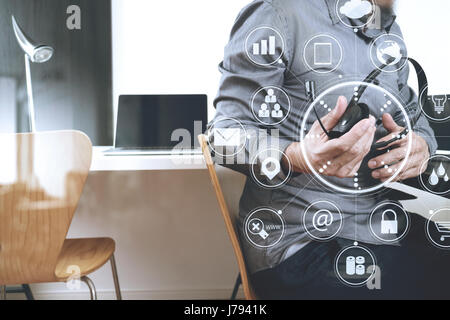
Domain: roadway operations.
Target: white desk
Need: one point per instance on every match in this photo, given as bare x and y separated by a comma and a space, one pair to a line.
100, 162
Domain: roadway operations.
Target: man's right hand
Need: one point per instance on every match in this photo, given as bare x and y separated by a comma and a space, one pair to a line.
341, 157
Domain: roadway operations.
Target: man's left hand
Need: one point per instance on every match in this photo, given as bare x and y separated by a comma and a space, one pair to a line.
394, 158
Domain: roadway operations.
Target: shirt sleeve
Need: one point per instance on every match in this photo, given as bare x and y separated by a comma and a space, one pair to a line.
422, 126
241, 78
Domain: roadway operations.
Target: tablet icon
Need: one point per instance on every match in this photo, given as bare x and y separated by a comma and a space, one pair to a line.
323, 54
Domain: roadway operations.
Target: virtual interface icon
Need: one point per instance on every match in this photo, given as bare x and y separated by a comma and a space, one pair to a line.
323, 54
356, 9
389, 226
389, 222
270, 168
271, 106
256, 227
264, 228
387, 50
436, 176
265, 46
227, 137
355, 265
322, 220
438, 229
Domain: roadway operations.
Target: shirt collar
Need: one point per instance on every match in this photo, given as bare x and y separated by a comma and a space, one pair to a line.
387, 19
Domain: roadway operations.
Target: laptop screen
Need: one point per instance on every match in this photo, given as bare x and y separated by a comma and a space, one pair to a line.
160, 121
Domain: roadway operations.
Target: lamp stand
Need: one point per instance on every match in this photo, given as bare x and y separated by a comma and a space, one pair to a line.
31, 114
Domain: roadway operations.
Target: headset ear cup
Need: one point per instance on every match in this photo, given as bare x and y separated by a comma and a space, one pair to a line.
365, 111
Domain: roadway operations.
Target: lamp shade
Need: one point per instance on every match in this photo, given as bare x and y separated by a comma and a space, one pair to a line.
37, 53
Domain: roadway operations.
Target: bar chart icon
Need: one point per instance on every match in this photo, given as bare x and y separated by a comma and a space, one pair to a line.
265, 47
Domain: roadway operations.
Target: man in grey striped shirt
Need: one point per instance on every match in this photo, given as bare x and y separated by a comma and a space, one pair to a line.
297, 264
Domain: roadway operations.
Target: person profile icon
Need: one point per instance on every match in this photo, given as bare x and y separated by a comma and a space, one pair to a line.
277, 113
264, 112
271, 97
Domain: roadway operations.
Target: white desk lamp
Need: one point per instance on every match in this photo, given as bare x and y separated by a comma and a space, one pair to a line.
36, 53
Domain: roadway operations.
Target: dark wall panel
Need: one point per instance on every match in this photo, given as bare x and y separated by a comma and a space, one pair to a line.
74, 89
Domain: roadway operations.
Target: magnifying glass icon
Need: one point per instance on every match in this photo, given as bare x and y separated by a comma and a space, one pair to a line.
256, 228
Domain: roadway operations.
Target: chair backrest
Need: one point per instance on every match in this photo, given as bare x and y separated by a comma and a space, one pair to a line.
233, 184
42, 176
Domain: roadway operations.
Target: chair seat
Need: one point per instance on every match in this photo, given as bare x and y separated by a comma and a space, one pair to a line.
86, 254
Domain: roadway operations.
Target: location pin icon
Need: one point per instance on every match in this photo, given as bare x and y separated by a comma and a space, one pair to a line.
271, 167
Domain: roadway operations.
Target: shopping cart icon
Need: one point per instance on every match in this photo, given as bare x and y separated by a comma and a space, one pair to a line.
444, 229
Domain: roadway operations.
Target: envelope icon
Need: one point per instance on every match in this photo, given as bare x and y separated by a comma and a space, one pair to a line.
227, 137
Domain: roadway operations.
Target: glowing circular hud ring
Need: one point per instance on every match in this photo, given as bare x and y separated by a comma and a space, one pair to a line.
444, 234
423, 167
355, 284
377, 65
239, 149
264, 185
341, 220
287, 113
341, 52
349, 25
246, 48
375, 211
422, 98
304, 126
250, 218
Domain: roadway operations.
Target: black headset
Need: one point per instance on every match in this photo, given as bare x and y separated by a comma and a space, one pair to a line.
357, 111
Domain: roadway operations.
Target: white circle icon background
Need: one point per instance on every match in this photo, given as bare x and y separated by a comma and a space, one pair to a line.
229, 136
323, 220
264, 46
271, 105
438, 229
355, 266
323, 53
389, 46
356, 10
430, 110
436, 179
389, 222
330, 182
267, 170
264, 228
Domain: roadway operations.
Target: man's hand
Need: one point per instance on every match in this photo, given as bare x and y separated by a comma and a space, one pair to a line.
392, 161
339, 157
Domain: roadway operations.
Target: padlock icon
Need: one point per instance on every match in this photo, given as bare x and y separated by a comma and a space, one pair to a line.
389, 226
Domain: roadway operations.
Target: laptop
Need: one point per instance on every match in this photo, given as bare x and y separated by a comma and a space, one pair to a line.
159, 124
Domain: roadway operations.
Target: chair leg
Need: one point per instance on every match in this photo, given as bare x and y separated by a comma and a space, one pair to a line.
91, 287
236, 287
3, 293
27, 290
115, 277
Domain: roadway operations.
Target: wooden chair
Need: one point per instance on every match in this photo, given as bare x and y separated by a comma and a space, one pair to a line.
42, 176
233, 183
